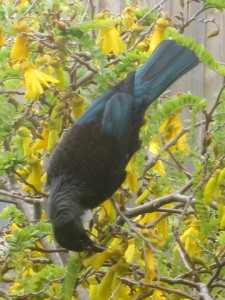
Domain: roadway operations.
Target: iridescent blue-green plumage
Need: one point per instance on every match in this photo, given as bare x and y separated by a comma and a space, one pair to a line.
88, 165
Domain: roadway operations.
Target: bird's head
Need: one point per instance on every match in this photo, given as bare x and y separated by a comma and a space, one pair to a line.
68, 215
72, 236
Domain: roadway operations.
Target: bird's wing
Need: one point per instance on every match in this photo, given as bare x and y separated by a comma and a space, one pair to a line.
94, 112
117, 119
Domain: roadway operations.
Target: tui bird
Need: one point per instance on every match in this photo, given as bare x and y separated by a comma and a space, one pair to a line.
88, 165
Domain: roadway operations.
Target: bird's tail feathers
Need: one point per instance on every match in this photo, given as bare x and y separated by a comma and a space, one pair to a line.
167, 63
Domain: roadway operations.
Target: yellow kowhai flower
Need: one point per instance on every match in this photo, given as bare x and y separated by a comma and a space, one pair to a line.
157, 36
29, 271
112, 284
170, 128
109, 38
77, 106
190, 237
108, 213
211, 188
144, 45
2, 39
59, 73
159, 234
23, 3
132, 177
129, 18
35, 80
55, 125
93, 288
150, 269
132, 253
42, 142
14, 227
44, 63
112, 42
147, 192
20, 49
221, 210
49, 64
155, 148
97, 260
37, 253
27, 140
35, 174
44, 178
16, 287
157, 295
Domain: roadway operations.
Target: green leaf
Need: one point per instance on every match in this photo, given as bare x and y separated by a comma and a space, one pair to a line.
92, 25
72, 271
47, 275
10, 211
11, 161
221, 238
219, 4
204, 55
175, 103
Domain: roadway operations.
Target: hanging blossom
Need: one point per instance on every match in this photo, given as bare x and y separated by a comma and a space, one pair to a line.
190, 239
35, 80
109, 38
2, 39
155, 149
23, 3
129, 19
132, 176
157, 36
170, 128
20, 48
153, 39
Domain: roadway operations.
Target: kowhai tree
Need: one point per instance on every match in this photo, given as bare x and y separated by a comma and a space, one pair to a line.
164, 228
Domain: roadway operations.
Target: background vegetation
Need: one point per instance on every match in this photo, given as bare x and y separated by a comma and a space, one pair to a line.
164, 229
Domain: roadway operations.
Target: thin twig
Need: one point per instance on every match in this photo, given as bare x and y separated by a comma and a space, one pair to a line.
156, 286
156, 157
158, 5
48, 250
12, 92
31, 200
193, 18
83, 79
83, 62
29, 9
157, 203
125, 219
208, 119
30, 185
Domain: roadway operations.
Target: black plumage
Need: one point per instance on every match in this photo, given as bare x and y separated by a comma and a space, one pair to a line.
88, 165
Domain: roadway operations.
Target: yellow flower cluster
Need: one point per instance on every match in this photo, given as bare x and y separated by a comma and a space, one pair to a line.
109, 38
169, 129
2, 39
191, 237
34, 80
33, 173
213, 189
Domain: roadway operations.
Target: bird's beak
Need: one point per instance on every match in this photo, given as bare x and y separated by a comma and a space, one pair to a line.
96, 248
